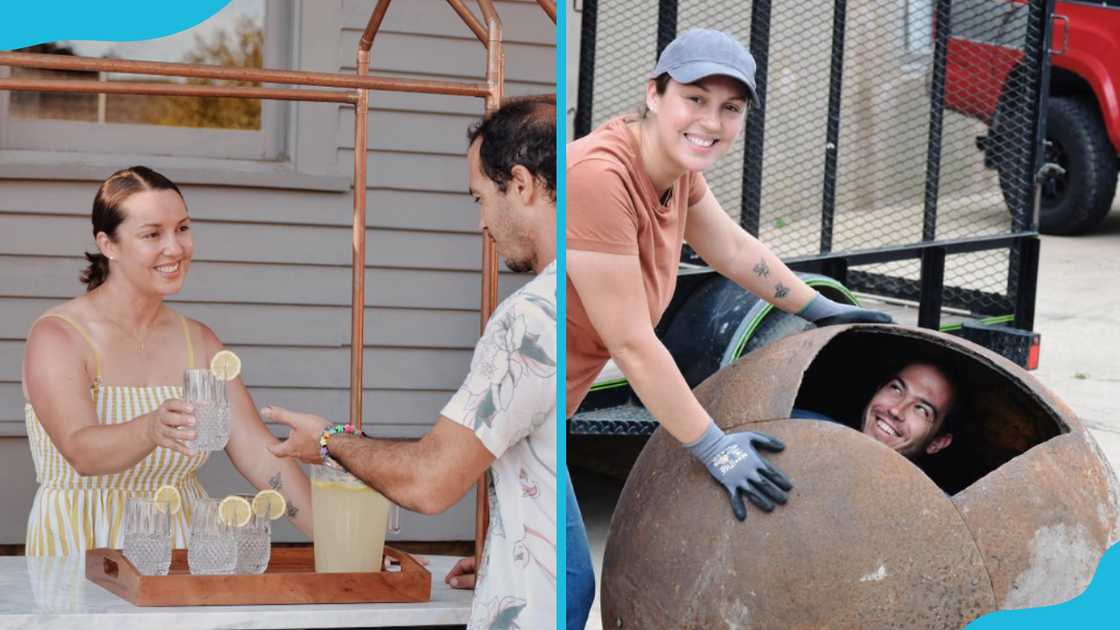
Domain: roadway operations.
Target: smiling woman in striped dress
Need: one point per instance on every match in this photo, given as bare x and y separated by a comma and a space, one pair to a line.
102, 374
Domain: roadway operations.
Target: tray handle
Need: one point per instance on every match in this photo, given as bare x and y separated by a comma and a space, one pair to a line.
407, 562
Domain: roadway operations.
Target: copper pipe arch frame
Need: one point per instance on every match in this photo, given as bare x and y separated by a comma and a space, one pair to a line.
258, 75
171, 89
488, 32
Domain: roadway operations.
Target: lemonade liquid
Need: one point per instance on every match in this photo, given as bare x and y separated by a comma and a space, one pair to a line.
349, 519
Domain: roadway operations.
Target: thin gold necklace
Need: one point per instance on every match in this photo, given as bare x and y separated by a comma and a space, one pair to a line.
136, 338
139, 342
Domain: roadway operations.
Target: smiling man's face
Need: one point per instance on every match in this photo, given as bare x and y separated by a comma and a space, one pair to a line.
908, 411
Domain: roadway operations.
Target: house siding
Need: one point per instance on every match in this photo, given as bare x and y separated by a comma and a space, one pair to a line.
271, 269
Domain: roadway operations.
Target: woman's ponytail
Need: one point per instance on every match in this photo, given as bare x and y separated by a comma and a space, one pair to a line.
96, 272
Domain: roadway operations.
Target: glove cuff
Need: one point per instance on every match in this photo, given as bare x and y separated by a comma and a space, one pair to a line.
706, 446
820, 307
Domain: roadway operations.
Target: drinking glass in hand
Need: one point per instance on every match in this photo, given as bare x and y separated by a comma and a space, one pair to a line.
147, 536
212, 548
254, 545
209, 397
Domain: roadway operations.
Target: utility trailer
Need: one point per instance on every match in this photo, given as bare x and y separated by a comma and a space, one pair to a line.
856, 171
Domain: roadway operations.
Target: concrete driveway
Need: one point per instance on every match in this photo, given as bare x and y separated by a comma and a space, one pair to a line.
1078, 314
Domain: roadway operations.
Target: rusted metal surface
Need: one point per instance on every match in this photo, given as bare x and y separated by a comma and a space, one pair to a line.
1043, 520
850, 361
867, 541
772, 374
1031, 504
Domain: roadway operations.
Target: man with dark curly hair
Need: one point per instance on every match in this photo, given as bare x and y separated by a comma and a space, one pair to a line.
915, 412
519, 140
502, 421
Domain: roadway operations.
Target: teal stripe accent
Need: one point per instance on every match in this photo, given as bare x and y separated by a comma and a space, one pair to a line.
1094, 608
28, 23
561, 305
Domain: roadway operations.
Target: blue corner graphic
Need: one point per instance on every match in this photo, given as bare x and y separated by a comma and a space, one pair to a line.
1095, 608
29, 23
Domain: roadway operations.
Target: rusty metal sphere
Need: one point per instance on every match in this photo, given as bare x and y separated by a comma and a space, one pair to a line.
1016, 513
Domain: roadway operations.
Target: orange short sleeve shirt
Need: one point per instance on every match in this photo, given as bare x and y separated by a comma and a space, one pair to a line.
613, 207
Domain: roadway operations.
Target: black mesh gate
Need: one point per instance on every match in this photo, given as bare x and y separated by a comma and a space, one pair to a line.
897, 145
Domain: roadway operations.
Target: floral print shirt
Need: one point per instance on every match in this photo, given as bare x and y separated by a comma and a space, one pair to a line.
509, 400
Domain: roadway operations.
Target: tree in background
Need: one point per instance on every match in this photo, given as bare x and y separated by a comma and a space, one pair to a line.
246, 51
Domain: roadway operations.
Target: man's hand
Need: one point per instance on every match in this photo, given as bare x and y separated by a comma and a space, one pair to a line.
303, 439
462, 574
824, 312
737, 466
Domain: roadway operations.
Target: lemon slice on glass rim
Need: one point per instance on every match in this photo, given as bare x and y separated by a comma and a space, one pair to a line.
168, 499
270, 504
235, 511
225, 365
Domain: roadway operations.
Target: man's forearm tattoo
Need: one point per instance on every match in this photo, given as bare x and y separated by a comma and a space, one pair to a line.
274, 482
762, 270
292, 511
781, 291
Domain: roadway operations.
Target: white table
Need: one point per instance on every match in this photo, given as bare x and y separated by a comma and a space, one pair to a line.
54, 593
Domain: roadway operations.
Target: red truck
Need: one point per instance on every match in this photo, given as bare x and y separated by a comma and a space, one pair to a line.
985, 80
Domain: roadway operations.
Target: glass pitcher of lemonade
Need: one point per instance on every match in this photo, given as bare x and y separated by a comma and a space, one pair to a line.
350, 520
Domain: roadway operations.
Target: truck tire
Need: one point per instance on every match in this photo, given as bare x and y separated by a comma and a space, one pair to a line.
1079, 200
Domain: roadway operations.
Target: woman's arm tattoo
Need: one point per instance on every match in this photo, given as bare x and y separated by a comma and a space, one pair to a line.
275, 483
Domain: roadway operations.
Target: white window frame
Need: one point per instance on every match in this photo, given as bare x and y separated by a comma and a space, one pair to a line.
918, 29
268, 144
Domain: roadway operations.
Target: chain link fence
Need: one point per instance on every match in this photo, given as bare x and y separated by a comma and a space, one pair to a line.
887, 129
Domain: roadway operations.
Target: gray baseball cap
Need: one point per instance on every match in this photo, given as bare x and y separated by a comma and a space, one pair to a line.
701, 52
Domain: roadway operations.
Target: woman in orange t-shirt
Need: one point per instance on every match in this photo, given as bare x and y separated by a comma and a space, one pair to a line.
635, 192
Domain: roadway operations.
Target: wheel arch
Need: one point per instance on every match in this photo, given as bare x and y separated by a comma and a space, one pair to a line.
1070, 77
1075, 74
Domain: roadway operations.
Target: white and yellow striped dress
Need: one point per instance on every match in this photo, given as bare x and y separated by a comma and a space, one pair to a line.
71, 512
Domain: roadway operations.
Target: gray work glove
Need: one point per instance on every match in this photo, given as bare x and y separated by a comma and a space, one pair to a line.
824, 312
734, 462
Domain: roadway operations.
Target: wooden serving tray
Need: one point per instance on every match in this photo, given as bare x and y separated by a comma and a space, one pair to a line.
289, 579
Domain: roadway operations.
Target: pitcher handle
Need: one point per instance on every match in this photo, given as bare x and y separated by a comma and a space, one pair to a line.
394, 518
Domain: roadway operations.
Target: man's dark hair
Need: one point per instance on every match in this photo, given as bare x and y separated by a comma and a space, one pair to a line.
521, 132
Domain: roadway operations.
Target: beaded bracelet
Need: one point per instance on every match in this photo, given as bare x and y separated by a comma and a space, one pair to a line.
335, 430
